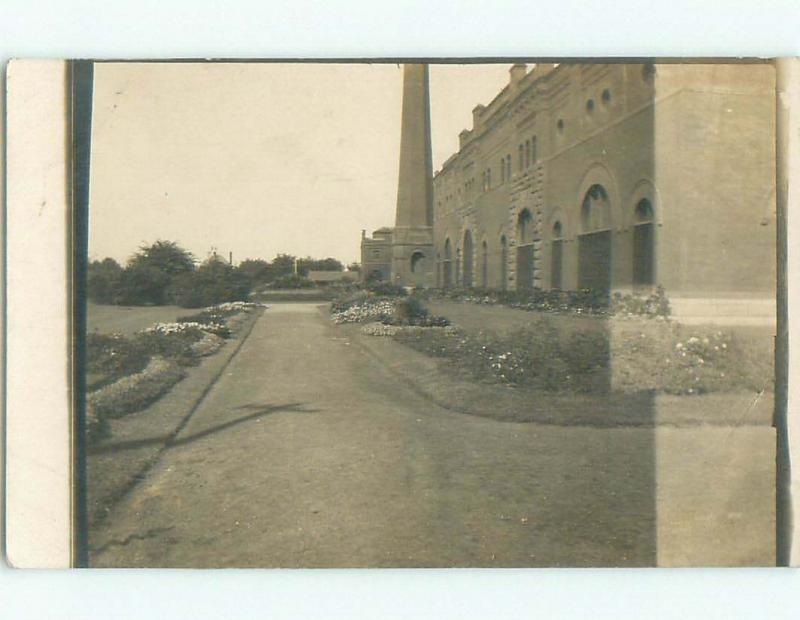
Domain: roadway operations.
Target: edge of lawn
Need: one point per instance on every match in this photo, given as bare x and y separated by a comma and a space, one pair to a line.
429, 378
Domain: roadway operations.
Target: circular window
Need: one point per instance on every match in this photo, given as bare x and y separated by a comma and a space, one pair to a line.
560, 125
606, 96
590, 106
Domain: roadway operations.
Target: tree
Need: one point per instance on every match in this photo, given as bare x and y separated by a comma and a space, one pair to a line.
304, 265
256, 271
150, 271
142, 284
213, 282
355, 267
167, 256
103, 281
282, 265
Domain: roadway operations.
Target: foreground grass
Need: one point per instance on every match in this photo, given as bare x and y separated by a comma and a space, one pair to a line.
132, 443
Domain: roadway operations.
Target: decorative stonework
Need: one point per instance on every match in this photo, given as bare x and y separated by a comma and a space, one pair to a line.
527, 192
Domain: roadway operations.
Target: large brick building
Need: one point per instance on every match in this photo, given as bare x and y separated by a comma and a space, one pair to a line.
615, 176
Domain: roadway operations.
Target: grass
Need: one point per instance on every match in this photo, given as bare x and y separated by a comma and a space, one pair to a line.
627, 355
437, 380
499, 319
128, 320
126, 445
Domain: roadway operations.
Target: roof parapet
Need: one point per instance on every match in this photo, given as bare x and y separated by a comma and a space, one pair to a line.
517, 73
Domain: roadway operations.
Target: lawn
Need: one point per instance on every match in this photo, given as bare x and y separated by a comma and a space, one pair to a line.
128, 320
502, 320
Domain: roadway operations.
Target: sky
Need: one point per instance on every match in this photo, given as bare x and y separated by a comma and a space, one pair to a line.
259, 159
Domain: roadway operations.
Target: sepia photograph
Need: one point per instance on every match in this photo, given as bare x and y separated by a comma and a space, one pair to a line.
427, 314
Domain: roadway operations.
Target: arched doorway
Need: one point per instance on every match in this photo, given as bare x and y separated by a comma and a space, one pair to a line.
467, 283
556, 256
594, 241
447, 266
484, 265
503, 263
525, 255
419, 266
643, 245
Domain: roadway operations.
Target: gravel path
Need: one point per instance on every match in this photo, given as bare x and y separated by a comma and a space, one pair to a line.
309, 453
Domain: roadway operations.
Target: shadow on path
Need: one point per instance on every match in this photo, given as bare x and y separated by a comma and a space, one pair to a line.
256, 412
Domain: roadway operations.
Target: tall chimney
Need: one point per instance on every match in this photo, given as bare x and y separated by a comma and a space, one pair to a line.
415, 180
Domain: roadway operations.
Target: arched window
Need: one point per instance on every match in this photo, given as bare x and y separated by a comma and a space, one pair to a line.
534, 154
508, 166
524, 227
458, 266
594, 242
556, 256
447, 265
525, 250
521, 150
527, 153
503, 169
416, 258
503, 263
468, 260
595, 210
643, 245
484, 265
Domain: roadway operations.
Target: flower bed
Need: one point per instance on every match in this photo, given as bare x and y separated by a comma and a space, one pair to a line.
382, 329
135, 391
366, 308
533, 357
629, 357
655, 305
126, 374
677, 359
207, 345
111, 356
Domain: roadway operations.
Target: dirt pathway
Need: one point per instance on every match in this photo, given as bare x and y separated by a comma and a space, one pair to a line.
308, 453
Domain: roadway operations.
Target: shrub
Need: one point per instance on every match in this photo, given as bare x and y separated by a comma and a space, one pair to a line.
409, 309
292, 281
348, 299
385, 289
655, 304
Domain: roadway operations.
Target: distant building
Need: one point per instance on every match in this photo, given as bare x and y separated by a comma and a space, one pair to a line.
614, 177
376, 255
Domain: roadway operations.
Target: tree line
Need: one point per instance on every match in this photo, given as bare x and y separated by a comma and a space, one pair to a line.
164, 273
